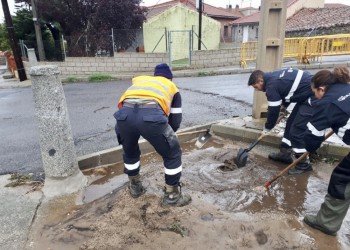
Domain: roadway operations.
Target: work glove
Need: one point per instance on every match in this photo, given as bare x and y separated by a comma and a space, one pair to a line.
283, 112
266, 131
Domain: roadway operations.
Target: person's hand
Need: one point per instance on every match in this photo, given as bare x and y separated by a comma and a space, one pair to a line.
266, 131
283, 111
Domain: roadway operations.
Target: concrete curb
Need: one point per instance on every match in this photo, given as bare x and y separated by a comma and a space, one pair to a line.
115, 154
228, 131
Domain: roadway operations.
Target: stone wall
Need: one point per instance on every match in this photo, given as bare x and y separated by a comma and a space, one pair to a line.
215, 58
130, 62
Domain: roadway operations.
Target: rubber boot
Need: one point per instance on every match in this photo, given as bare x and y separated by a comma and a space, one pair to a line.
285, 155
174, 197
302, 167
331, 215
311, 221
135, 186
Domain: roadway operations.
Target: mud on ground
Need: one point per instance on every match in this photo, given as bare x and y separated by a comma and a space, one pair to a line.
226, 212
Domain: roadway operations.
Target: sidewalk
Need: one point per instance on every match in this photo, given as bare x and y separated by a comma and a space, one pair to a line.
327, 63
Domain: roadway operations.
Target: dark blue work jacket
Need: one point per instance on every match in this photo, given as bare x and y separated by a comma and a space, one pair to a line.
284, 87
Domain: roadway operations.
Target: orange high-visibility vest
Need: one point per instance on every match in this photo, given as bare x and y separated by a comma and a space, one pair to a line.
158, 88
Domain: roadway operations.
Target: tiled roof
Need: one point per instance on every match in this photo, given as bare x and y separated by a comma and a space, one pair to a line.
209, 10
307, 19
253, 18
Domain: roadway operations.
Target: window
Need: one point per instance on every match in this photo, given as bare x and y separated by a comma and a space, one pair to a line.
225, 30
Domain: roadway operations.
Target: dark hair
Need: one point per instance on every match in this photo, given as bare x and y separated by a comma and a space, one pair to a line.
254, 77
325, 78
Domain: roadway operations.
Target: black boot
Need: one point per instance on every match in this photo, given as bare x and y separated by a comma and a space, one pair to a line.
174, 197
135, 186
285, 156
302, 167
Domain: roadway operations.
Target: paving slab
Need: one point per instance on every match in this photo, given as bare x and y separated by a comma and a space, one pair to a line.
17, 212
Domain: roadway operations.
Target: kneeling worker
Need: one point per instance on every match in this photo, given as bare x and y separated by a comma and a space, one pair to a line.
151, 108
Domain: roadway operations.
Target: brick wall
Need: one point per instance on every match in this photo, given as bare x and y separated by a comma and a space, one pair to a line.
130, 62
215, 58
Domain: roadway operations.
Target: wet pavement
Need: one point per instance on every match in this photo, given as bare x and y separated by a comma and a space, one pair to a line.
109, 219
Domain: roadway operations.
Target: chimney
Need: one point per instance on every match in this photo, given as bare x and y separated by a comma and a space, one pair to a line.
237, 6
230, 6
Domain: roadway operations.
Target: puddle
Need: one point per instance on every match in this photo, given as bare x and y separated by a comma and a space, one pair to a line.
227, 212
107, 178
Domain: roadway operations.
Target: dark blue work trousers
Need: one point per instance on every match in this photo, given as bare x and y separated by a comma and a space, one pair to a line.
150, 122
296, 127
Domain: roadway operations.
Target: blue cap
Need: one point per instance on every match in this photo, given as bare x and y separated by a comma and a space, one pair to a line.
163, 70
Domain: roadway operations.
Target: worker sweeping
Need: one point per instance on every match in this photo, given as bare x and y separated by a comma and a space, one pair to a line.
283, 87
151, 108
332, 111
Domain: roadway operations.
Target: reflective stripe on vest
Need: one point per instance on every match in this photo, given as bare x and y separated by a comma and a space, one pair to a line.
295, 85
154, 87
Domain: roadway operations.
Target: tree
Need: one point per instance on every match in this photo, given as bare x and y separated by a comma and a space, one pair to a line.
4, 40
88, 23
85, 24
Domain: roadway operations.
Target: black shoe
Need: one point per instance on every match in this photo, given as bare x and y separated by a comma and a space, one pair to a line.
300, 170
284, 156
174, 197
311, 221
135, 187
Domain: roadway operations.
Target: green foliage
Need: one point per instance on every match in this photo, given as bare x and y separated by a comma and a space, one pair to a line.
99, 78
4, 41
71, 79
18, 180
88, 24
24, 25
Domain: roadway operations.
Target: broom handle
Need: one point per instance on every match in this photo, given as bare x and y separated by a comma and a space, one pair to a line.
267, 184
193, 132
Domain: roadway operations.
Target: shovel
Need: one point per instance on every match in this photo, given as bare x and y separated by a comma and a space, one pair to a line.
202, 139
267, 184
242, 156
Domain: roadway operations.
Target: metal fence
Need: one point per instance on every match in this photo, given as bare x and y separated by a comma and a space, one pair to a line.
54, 50
304, 49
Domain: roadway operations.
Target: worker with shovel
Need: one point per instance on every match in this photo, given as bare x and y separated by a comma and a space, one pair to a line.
283, 87
332, 111
151, 108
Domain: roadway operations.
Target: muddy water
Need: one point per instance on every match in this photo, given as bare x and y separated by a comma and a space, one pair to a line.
223, 195
212, 174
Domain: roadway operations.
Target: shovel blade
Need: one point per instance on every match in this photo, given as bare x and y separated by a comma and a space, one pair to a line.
202, 139
242, 157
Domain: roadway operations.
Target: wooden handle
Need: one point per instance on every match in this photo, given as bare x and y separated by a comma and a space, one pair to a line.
267, 184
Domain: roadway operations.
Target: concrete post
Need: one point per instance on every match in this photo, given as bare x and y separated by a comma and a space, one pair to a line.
32, 57
272, 26
62, 174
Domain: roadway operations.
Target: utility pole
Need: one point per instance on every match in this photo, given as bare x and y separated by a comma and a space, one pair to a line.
200, 11
39, 40
272, 26
13, 42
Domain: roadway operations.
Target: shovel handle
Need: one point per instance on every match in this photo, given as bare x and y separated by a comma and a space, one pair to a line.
254, 143
267, 184
193, 132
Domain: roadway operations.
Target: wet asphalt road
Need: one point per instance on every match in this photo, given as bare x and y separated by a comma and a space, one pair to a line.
91, 107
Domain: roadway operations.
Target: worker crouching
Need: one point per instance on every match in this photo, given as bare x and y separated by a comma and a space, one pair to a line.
151, 108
